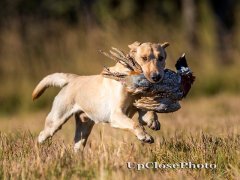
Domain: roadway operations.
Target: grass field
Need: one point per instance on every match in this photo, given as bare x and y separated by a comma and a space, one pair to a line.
205, 130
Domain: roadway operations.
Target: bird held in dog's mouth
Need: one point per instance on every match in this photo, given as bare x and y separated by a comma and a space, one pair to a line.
161, 97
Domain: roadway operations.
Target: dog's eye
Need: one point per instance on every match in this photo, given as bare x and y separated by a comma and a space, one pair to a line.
144, 58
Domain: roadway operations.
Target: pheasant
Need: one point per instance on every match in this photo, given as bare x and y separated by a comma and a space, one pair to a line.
161, 97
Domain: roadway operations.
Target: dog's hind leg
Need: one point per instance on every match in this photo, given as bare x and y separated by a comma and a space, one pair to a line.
60, 113
84, 126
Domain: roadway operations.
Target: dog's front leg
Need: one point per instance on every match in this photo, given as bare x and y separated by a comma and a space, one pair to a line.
150, 119
120, 120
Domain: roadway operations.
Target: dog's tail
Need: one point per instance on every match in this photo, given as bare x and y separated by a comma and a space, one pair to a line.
56, 80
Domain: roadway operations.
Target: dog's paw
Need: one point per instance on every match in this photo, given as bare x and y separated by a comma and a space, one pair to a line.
144, 137
42, 137
154, 125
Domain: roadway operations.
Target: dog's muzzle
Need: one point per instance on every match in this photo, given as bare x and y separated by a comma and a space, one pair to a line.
156, 77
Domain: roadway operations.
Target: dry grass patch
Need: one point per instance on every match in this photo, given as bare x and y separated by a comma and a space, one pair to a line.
205, 130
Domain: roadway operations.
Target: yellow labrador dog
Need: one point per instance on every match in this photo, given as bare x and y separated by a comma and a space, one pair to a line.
94, 99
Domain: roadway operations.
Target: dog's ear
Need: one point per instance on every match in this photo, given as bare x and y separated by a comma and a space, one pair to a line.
165, 44
134, 45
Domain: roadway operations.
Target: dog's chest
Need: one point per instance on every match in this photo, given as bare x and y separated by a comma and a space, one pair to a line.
110, 101
102, 113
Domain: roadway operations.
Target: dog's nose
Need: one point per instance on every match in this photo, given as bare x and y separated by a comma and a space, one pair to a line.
155, 77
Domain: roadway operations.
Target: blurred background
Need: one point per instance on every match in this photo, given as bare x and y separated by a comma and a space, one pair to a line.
39, 37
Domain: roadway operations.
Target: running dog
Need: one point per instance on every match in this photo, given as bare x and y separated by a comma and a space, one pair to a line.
94, 99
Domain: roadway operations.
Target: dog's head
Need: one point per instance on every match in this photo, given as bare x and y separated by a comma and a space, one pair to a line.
151, 57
